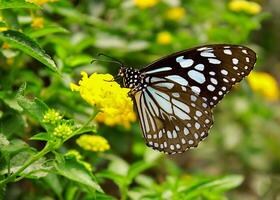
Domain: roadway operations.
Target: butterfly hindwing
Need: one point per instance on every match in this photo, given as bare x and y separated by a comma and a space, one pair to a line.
210, 71
173, 118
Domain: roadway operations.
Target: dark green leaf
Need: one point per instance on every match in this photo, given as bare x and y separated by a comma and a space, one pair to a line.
24, 43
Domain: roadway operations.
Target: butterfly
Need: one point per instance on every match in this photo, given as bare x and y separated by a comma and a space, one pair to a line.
174, 95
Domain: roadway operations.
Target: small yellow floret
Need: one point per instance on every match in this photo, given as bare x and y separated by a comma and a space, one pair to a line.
264, 84
51, 116
94, 143
245, 6
37, 22
145, 3
40, 2
175, 13
63, 131
164, 38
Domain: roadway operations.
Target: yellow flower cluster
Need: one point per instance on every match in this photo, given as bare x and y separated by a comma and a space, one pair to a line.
175, 13
94, 143
62, 131
37, 22
164, 38
51, 116
100, 90
40, 2
264, 84
245, 6
145, 3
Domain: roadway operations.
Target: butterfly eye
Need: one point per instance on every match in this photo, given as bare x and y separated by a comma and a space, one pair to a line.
174, 96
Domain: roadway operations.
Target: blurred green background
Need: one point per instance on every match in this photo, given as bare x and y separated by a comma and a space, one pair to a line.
240, 159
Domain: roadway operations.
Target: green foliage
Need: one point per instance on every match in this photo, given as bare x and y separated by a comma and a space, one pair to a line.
45, 47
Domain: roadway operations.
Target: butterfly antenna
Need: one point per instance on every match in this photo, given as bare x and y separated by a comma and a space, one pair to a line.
113, 60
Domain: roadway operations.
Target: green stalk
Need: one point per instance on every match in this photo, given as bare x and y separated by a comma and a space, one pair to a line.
36, 157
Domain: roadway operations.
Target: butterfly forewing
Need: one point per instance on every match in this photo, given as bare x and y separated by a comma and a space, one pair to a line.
210, 71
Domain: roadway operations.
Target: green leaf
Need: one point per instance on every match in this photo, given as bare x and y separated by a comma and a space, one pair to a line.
41, 136
77, 172
14, 147
4, 4
35, 108
22, 42
116, 178
136, 168
46, 30
54, 183
218, 185
224, 184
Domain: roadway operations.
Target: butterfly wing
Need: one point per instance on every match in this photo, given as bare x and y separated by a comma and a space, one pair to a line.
172, 117
210, 71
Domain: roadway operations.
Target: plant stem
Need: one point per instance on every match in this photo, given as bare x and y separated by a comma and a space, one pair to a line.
36, 157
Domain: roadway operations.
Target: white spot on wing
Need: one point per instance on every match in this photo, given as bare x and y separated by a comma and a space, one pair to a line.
178, 79
196, 76
199, 67
228, 52
184, 62
214, 61
207, 54
162, 69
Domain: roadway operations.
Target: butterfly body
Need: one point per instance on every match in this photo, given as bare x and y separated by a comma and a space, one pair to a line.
174, 96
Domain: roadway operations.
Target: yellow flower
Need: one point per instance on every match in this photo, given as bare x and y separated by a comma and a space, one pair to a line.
264, 84
245, 6
145, 3
164, 38
94, 143
62, 131
113, 101
37, 22
51, 116
40, 2
2, 29
175, 13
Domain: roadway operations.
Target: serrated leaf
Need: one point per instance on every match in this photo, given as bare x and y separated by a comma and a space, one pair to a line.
35, 108
77, 172
14, 147
4, 4
26, 44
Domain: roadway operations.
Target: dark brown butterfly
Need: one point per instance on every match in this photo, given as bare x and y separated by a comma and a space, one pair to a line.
174, 95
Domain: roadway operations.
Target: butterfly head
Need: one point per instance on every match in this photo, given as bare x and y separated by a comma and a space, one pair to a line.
132, 78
